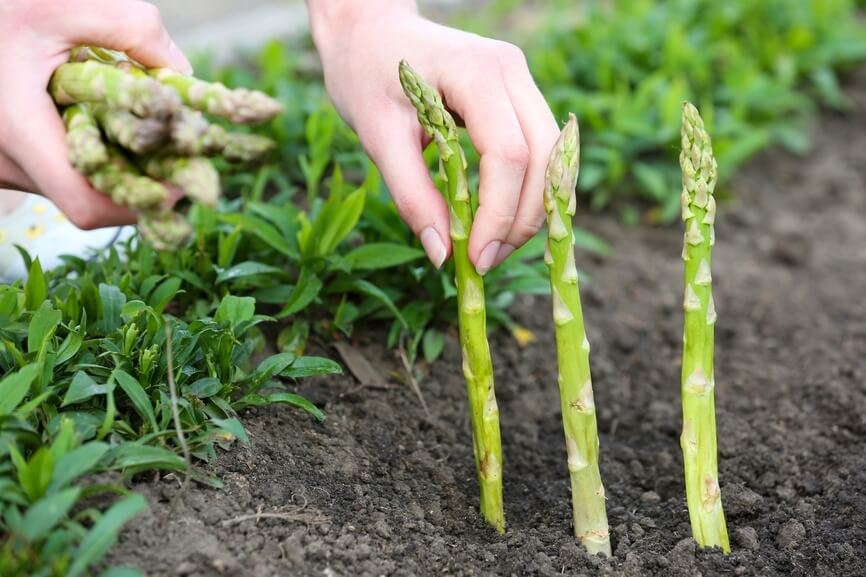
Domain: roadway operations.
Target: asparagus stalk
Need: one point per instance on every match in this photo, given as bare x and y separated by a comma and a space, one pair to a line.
135, 134
96, 82
87, 152
164, 229
193, 135
477, 365
572, 346
196, 177
238, 105
125, 185
698, 440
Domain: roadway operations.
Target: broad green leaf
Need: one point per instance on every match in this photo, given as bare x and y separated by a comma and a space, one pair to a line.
112, 300
164, 294
134, 458
274, 365
305, 292
69, 348
76, 463
264, 230
43, 325
206, 387
235, 310
343, 222
296, 401
312, 366
248, 269
381, 255
14, 387
140, 401
36, 288
82, 388
232, 426
104, 533
371, 290
433, 344
47, 512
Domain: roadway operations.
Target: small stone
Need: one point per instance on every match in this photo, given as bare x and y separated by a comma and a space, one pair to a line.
650, 497
747, 538
791, 534
740, 500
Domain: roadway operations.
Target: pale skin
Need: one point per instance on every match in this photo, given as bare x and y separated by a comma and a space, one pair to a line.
484, 82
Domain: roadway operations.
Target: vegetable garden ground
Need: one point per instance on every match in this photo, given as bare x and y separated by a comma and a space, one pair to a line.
381, 489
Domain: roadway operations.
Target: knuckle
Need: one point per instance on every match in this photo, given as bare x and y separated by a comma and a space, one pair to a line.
149, 20
515, 154
83, 218
511, 56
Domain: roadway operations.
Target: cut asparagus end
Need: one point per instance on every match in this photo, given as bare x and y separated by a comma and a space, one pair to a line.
196, 177
126, 186
164, 229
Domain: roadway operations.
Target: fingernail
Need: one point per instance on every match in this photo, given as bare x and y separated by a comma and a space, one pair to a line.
504, 252
179, 59
487, 258
433, 246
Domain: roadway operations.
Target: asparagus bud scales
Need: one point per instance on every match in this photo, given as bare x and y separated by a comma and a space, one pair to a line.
477, 365
575, 382
698, 440
86, 150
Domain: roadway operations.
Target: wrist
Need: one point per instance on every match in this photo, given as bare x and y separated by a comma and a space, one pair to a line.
331, 20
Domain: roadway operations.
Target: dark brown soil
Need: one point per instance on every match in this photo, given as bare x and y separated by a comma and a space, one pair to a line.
380, 490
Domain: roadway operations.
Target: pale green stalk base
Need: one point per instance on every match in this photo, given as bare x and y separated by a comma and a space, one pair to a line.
98, 83
572, 347
477, 364
698, 440
196, 177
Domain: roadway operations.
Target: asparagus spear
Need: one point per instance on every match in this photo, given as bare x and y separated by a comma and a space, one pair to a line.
164, 229
96, 82
196, 177
125, 185
477, 365
238, 105
193, 135
135, 134
698, 439
87, 152
572, 346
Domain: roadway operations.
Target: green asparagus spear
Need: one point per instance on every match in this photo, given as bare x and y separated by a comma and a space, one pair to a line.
238, 105
135, 134
477, 365
572, 346
164, 229
100, 83
87, 152
698, 439
125, 185
193, 135
196, 177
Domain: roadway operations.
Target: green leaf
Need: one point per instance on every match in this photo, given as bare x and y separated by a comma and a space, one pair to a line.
113, 301
433, 344
69, 348
264, 230
297, 401
104, 533
235, 310
305, 292
137, 395
232, 426
135, 458
76, 463
381, 255
36, 289
273, 365
82, 388
371, 290
312, 366
164, 293
588, 241
14, 387
247, 269
43, 325
121, 572
206, 387
47, 512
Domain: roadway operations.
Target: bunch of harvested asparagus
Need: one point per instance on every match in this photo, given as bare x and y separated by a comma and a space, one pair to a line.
136, 132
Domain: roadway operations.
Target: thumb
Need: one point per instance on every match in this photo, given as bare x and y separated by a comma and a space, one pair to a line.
131, 26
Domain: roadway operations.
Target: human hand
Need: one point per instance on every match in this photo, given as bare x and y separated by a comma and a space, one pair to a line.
485, 82
35, 38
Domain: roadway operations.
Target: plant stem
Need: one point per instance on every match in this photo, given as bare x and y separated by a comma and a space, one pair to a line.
572, 346
472, 318
698, 440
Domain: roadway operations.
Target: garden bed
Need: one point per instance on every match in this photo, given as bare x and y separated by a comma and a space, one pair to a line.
381, 489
